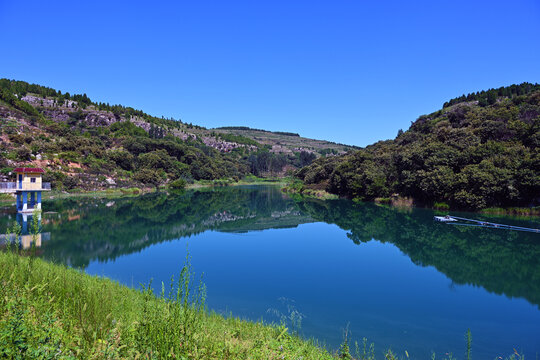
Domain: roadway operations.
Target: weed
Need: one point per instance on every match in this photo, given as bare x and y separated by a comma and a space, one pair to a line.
468, 337
344, 351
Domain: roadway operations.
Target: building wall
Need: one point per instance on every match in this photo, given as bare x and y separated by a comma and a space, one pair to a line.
27, 183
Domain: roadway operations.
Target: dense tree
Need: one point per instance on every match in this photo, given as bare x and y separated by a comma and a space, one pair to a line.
469, 156
126, 128
306, 158
149, 177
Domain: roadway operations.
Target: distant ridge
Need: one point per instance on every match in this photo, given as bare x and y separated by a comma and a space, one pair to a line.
253, 129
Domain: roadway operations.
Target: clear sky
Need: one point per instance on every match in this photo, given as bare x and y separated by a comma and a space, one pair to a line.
348, 71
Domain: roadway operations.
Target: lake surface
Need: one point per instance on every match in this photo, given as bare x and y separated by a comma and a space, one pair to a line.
395, 277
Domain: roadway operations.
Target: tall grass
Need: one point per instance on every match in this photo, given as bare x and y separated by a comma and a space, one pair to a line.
51, 311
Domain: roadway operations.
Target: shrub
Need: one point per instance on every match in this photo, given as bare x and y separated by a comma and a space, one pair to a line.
6, 170
148, 177
24, 154
177, 184
122, 158
441, 206
126, 128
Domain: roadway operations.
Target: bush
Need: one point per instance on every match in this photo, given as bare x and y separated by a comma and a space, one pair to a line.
126, 128
24, 154
6, 197
177, 184
122, 158
148, 177
56, 179
441, 206
6, 170
71, 182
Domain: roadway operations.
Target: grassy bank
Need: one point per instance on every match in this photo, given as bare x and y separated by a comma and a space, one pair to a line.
50, 311
295, 187
298, 188
248, 180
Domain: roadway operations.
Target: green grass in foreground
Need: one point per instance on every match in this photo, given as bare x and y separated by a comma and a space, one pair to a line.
49, 311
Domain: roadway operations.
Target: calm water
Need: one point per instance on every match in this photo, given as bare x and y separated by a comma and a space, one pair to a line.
396, 277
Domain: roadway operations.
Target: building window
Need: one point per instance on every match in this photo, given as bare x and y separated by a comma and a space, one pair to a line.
33, 180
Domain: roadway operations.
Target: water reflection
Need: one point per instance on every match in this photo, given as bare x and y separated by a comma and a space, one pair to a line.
87, 229
502, 262
323, 278
27, 237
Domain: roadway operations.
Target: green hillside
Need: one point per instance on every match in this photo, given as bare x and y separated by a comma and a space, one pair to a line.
90, 145
481, 150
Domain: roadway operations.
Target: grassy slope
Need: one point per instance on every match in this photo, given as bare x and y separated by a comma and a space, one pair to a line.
49, 309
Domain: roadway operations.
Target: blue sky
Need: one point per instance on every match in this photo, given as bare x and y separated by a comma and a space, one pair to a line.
348, 71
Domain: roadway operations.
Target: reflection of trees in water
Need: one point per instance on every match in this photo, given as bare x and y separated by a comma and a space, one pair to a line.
107, 230
501, 261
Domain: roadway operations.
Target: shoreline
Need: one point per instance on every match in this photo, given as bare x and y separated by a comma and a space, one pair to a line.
287, 187
296, 189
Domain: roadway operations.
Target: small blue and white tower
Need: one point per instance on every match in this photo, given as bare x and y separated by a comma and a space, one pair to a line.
28, 186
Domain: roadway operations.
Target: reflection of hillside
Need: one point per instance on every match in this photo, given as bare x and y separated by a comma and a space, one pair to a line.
106, 232
501, 261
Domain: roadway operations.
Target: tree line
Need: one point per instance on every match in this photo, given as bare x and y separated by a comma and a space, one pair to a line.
489, 97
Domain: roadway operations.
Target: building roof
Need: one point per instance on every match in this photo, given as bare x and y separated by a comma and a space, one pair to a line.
27, 170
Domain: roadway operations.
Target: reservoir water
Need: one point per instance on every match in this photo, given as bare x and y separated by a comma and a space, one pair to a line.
392, 276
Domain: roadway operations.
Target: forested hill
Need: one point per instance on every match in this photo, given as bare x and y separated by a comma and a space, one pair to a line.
91, 145
480, 150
